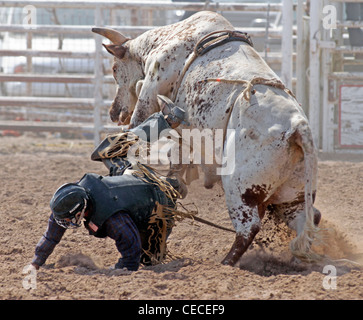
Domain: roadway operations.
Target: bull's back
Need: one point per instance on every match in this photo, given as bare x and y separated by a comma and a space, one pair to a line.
210, 104
180, 38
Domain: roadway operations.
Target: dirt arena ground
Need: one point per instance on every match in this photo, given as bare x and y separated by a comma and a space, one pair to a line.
33, 168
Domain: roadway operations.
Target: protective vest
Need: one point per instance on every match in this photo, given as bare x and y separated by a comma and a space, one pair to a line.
127, 193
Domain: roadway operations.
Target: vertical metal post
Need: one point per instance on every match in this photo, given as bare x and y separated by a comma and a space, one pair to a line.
300, 56
286, 45
331, 62
267, 46
327, 134
29, 60
98, 82
314, 87
328, 106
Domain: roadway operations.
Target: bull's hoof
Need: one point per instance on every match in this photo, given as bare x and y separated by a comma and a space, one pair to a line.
208, 185
228, 262
182, 189
178, 185
317, 216
236, 252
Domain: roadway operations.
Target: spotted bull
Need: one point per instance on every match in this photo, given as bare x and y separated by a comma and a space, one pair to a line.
228, 88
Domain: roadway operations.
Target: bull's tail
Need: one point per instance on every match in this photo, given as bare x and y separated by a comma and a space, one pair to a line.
301, 245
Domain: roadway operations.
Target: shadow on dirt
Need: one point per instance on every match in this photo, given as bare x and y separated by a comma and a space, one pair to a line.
266, 264
85, 265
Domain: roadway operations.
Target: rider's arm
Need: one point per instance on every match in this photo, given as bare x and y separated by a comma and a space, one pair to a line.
47, 242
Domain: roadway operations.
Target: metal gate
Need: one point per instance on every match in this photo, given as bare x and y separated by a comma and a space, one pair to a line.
88, 112
336, 75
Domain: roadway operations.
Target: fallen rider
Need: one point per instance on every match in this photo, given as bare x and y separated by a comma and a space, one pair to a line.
132, 205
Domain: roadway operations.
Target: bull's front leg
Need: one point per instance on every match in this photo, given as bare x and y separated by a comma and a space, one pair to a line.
177, 168
176, 172
143, 109
147, 102
156, 82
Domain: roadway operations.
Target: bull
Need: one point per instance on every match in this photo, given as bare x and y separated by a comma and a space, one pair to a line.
227, 87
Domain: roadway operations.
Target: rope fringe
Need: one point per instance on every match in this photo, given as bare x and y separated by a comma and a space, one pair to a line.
119, 145
150, 175
160, 225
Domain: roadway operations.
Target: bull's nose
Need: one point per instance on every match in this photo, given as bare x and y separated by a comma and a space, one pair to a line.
116, 116
113, 118
124, 117
113, 115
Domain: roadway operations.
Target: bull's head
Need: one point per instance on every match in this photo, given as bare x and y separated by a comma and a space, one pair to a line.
128, 73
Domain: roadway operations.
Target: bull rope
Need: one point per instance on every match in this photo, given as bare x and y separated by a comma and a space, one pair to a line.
192, 214
248, 91
272, 82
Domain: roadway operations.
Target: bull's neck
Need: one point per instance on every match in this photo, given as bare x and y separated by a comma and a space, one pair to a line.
142, 45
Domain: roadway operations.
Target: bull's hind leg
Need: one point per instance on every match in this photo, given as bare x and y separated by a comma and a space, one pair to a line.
246, 190
293, 213
240, 245
246, 215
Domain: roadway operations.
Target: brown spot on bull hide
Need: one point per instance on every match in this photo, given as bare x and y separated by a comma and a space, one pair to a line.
255, 195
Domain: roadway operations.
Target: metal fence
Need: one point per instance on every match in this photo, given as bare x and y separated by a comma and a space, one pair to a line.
55, 75
336, 75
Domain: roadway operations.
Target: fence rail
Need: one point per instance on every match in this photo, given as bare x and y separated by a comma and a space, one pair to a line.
39, 126
130, 30
145, 5
98, 103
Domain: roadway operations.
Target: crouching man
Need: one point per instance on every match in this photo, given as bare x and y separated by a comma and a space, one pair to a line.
133, 205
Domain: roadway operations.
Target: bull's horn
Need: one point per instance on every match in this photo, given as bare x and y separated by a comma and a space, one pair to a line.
113, 35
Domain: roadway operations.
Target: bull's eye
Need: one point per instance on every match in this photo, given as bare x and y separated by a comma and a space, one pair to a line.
114, 69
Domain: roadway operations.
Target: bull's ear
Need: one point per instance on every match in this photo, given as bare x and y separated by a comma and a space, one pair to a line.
116, 50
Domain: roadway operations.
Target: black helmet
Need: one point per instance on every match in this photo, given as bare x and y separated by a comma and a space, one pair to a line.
69, 204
